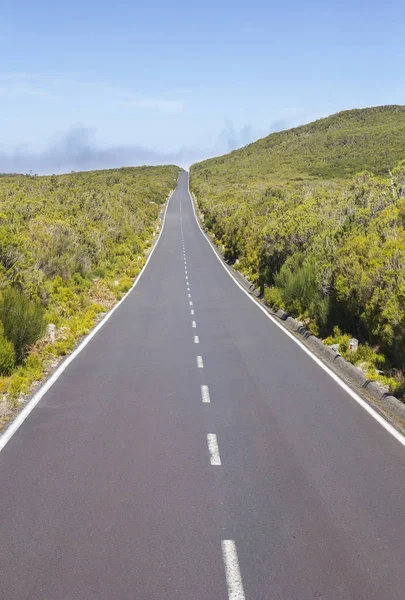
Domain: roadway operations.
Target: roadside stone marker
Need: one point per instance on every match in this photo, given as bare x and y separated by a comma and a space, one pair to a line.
51, 332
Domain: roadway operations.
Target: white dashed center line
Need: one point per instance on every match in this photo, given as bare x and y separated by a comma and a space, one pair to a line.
213, 449
229, 552
205, 394
232, 570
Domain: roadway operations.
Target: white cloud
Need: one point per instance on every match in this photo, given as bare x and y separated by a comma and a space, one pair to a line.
231, 138
76, 150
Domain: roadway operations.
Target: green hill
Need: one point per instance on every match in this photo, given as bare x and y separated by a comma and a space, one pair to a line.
337, 146
315, 216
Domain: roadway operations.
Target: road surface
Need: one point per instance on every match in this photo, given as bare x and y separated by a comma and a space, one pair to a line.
192, 451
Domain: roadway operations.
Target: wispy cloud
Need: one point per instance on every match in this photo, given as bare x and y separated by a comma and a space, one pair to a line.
231, 138
77, 151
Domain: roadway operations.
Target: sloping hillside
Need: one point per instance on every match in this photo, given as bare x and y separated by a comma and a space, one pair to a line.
316, 216
337, 146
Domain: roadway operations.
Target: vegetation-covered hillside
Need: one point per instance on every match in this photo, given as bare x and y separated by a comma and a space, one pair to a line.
70, 246
316, 217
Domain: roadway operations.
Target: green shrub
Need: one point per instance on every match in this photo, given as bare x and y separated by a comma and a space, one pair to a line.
124, 285
23, 321
61, 347
300, 292
7, 356
19, 384
99, 272
34, 366
273, 298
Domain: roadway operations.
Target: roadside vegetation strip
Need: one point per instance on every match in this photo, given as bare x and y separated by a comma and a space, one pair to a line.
31, 404
314, 217
391, 428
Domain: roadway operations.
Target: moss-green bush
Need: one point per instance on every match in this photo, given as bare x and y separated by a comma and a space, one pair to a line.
19, 384
299, 290
124, 285
23, 321
272, 297
7, 356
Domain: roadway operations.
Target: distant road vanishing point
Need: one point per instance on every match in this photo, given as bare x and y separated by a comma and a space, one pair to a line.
193, 451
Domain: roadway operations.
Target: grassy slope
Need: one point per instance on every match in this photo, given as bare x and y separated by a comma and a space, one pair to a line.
74, 243
290, 207
335, 147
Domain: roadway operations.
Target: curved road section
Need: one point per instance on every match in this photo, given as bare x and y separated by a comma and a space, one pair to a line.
192, 451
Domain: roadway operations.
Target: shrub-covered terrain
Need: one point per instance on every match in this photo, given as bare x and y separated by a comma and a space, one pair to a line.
70, 246
315, 216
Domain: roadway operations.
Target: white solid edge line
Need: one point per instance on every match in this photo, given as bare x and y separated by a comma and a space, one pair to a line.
205, 394
390, 428
213, 449
232, 570
29, 407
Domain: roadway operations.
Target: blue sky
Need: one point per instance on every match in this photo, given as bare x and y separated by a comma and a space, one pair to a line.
96, 84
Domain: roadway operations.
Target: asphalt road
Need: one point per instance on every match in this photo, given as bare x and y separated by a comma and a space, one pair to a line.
112, 487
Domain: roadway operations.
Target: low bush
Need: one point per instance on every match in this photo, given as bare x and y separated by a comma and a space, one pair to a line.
19, 384
125, 285
371, 361
23, 321
299, 291
273, 298
7, 356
